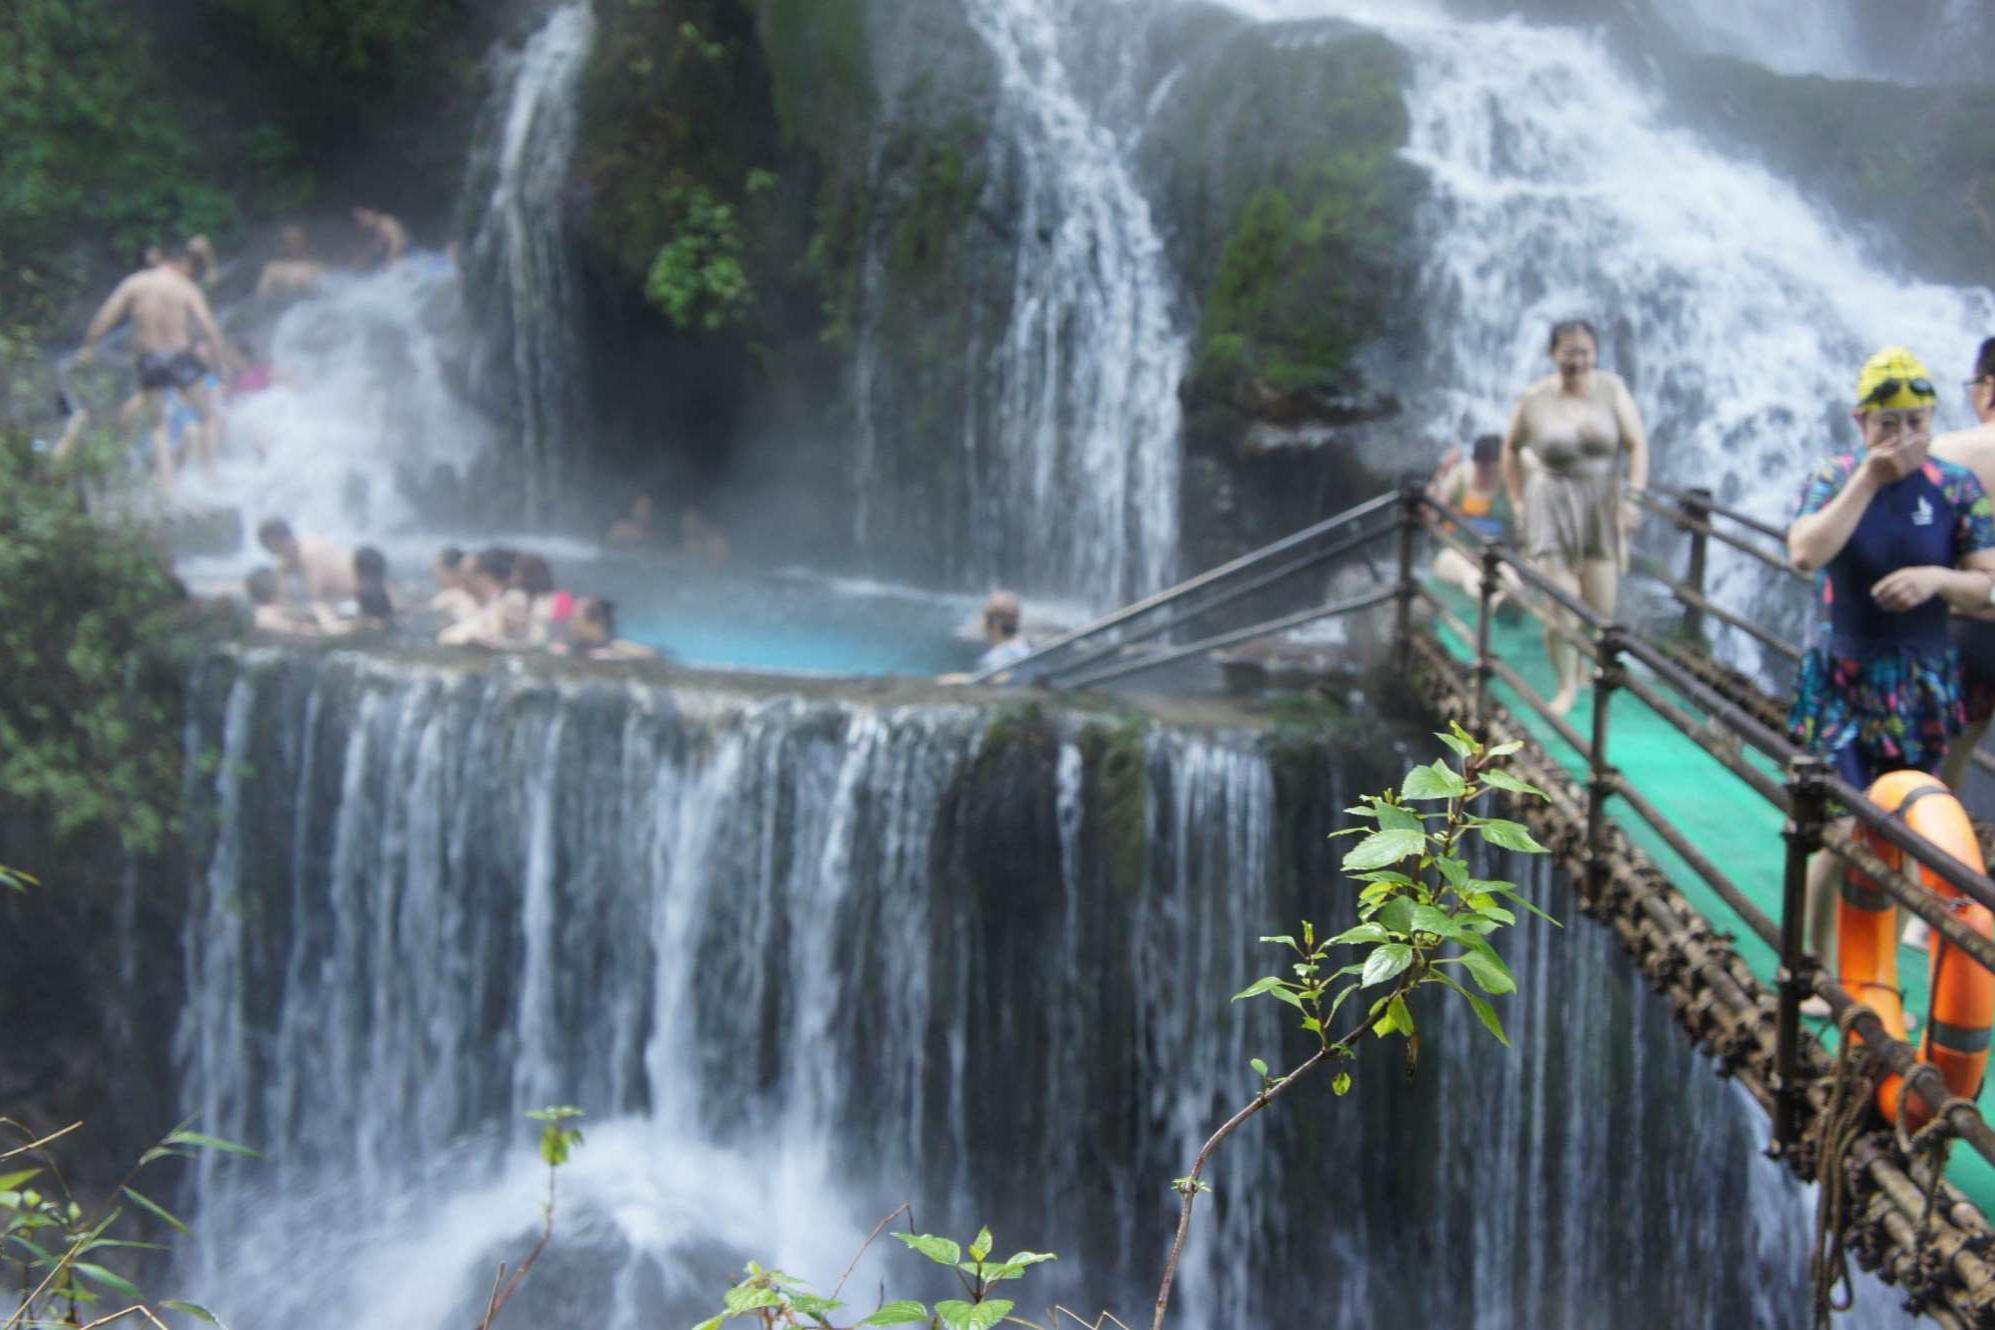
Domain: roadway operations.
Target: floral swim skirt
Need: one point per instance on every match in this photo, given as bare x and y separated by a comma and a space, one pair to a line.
1886, 710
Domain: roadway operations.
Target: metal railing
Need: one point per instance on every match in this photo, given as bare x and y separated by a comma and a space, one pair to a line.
1802, 792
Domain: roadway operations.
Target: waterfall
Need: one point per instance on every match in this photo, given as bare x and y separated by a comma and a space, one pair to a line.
802, 960
1738, 309
1920, 41
1074, 429
520, 264
365, 430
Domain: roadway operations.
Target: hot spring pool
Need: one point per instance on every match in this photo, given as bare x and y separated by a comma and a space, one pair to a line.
791, 621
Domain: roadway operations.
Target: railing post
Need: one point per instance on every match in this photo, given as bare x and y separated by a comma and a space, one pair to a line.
1492, 582
1696, 508
1796, 980
1411, 491
1600, 776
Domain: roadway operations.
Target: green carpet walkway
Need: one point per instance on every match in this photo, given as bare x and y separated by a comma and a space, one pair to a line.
1719, 813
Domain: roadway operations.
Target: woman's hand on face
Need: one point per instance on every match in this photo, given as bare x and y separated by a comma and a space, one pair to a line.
1907, 589
1897, 457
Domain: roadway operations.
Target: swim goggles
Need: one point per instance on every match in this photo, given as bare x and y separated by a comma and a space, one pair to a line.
1887, 389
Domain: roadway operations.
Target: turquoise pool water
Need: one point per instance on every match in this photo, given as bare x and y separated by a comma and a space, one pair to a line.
790, 621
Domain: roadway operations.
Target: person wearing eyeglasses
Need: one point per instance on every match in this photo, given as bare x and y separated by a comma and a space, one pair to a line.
1901, 537
1974, 634
1575, 425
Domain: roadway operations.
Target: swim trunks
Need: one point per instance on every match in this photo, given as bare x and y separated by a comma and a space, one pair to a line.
182, 369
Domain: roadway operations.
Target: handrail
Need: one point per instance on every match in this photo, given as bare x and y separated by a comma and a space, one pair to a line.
1171, 595
1280, 573
1803, 796
1155, 660
1730, 514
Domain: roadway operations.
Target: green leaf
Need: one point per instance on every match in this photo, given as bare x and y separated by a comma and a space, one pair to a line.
13, 1181
1490, 972
959, 1315
1284, 939
1397, 915
116, 1283
1260, 1067
1461, 747
1391, 817
1505, 750
1397, 1017
199, 1141
202, 1314
981, 1246
811, 1305
1433, 919
750, 1296
1509, 890
1511, 836
1289, 996
1015, 1267
1503, 780
1341, 1084
939, 1250
1454, 870
1437, 781
1362, 933
1385, 962
1269, 984
154, 1208
1384, 847
1487, 1014
894, 1313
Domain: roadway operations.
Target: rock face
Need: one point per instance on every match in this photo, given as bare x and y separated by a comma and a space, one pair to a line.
905, 370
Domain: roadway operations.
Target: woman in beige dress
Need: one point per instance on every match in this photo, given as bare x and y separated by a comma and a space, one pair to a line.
1575, 516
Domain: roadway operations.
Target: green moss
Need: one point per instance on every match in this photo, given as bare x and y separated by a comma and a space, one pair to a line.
1309, 273
1117, 794
821, 72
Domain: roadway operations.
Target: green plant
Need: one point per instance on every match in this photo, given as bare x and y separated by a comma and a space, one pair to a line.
557, 1144
1423, 920
779, 1299
96, 637
698, 277
46, 1235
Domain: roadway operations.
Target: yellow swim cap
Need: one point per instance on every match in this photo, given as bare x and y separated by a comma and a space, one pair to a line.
1894, 380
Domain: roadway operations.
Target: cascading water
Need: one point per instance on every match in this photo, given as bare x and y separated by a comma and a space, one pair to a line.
365, 426
1075, 407
520, 269
803, 960
1920, 41
1738, 309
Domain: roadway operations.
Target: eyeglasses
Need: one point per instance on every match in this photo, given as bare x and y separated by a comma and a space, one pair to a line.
1972, 384
1889, 388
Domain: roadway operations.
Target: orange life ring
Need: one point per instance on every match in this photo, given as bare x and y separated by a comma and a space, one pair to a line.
1956, 1040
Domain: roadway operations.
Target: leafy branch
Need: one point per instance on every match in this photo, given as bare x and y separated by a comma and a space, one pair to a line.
1422, 919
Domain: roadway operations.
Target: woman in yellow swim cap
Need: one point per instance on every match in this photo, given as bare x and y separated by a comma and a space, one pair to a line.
1899, 536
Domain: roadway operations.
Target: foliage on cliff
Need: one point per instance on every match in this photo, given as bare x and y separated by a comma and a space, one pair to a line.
91, 150
92, 627
1291, 202
347, 37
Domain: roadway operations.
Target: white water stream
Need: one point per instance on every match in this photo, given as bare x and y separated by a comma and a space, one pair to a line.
1738, 309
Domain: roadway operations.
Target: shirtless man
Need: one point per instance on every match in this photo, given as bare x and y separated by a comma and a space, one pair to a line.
324, 570
387, 238
1973, 634
170, 322
295, 272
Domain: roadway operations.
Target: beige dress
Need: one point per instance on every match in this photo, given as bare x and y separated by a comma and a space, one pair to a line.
1572, 497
